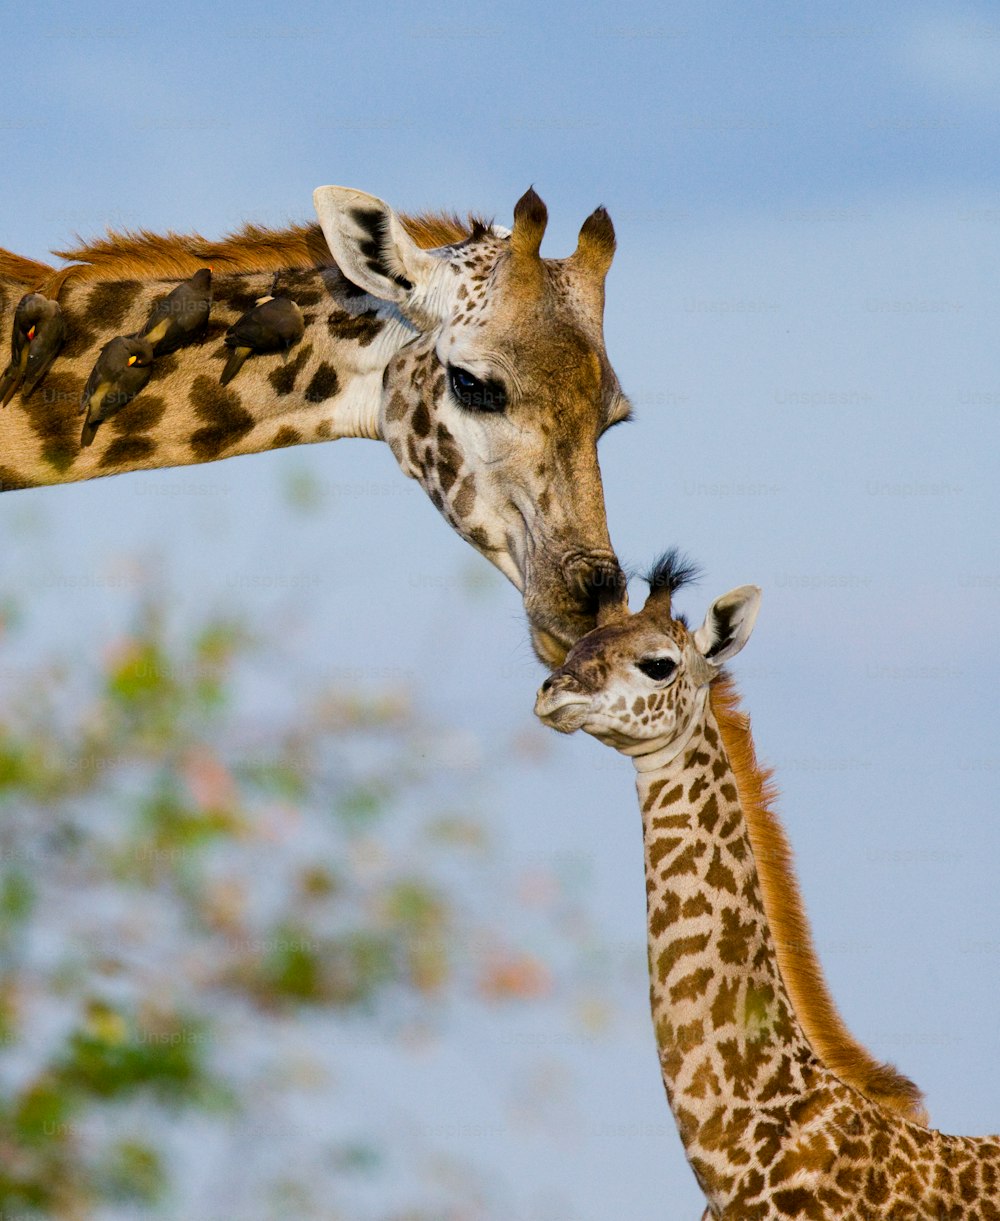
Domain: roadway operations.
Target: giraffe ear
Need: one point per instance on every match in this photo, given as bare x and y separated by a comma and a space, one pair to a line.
371, 247
728, 624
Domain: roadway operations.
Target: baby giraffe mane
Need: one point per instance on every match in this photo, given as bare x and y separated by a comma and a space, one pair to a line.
142, 255
797, 960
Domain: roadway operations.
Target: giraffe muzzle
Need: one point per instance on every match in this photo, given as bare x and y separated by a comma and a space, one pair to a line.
593, 577
562, 703
563, 596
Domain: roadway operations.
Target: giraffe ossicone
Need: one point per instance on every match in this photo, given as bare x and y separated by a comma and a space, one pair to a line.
480, 363
781, 1113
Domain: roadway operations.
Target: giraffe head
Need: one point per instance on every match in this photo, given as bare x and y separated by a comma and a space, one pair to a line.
496, 402
636, 682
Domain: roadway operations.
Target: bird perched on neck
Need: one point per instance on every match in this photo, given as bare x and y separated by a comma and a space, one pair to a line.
181, 316
38, 333
275, 324
122, 370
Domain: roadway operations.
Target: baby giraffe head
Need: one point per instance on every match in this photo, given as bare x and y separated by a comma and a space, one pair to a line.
638, 682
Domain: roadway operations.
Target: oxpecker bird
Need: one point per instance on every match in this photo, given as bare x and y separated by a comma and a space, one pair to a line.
121, 371
273, 325
38, 333
182, 316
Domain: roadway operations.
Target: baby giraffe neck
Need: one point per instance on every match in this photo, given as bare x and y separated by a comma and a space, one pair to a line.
730, 1046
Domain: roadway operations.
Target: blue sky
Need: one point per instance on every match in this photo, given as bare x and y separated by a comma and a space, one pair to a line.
804, 311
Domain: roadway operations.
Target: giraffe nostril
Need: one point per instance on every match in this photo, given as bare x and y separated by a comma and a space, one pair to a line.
558, 680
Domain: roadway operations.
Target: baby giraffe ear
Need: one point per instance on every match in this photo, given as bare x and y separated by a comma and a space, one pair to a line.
728, 624
371, 247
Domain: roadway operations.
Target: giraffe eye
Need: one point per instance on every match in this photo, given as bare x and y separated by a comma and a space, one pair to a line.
657, 668
473, 393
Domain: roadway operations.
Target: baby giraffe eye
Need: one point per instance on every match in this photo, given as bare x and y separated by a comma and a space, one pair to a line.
657, 668
473, 393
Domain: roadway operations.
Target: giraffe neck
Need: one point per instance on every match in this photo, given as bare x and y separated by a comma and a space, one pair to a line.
769, 1130
730, 1044
328, 386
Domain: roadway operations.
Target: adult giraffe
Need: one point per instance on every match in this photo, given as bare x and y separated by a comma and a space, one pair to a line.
480, 363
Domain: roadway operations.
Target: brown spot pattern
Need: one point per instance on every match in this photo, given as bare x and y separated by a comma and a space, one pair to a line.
81, 337
11, 481
285, 436
420, 421
226, 421
109, 301
163, 367
53, 413
236, 292
361, 329
127, 451
140, 415
323, 384
464, 499
283, 377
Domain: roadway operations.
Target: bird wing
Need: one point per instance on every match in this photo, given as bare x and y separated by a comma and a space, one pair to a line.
43, 350
250, 332
95, 389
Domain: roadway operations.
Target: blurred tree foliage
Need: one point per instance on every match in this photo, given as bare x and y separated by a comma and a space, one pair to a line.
180, 865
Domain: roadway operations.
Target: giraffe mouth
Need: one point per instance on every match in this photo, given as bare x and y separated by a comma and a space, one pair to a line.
563, 587
562, 708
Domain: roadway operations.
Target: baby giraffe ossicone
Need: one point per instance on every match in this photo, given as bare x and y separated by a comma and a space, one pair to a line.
781, 1113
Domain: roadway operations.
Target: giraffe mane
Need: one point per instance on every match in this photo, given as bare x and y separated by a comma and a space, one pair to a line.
141, 254
20, 270
797, 959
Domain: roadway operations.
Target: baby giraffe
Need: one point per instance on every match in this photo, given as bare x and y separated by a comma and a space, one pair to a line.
776, 1120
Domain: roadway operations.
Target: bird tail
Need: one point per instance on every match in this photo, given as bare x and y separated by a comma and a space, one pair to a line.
89, 431
233, 365
35, 373
33, 378
9, 383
